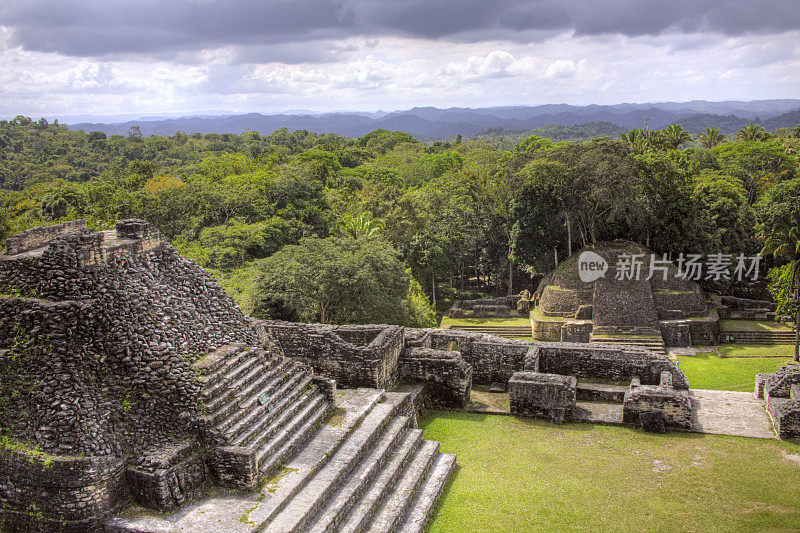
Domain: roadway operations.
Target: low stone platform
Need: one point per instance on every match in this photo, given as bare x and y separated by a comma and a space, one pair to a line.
367, 468
730, 413
598, 413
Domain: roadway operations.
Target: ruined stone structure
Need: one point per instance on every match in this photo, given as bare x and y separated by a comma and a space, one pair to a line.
128, 375
544, 379
484, 308
653, 313
781, 392
379, 356
549, 385
744, 308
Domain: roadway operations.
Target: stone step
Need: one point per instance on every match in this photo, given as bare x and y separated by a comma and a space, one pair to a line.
428, 494
292, 436
366, 506
655, 344
224, 404
331, 505
597, 413
328, 477
214, 381
352, 407
229, 359
472, 328
601, 392
622, 331
208, 367
520, 331
758, 337
393, 508
247, 404
261, 428
628, 340
246, 365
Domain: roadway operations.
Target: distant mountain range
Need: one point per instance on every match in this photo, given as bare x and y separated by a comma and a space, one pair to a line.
426, 123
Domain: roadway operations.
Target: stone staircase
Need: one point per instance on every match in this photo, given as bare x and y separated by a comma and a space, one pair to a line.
365, 468
382, 477
646, 337
264, 403
758, 337
624, 313
500, 331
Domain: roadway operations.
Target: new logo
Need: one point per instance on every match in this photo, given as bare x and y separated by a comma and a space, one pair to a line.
591, 266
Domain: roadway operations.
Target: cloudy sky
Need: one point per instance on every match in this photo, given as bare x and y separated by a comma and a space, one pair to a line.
62, 57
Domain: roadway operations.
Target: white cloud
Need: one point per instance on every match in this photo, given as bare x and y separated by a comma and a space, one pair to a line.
562, 68
396, 72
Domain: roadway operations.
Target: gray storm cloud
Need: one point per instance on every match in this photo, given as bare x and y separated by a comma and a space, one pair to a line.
88, 28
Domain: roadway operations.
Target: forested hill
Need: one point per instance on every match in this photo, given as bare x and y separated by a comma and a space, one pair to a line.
381, 228
429, 123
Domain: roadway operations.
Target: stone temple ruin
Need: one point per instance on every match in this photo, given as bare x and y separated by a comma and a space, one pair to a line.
653, 313
133, 388
128, 375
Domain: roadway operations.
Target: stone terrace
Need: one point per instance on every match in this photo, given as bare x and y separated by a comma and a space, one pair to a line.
155, 389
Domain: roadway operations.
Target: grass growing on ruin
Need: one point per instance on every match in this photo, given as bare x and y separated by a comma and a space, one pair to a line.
525, 475
753, 325
736, 369
510, 321
537, 314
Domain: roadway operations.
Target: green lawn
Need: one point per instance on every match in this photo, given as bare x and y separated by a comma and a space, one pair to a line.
524, 475
753, 325
510, 321
735, 370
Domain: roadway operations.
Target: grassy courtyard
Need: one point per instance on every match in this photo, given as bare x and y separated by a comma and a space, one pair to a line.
525, 475
510, 321
754, 325
734, 366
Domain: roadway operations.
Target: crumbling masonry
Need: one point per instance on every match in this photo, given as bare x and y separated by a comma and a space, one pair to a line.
127, 374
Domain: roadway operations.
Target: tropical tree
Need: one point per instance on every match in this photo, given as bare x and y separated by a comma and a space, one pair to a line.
334, 281
711, 138
779, 224
785, 244
752, 132
362, 225
673, 136
636, 139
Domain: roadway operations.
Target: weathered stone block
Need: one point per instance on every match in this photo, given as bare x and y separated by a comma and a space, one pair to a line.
584, 312
576, 332
536, 394
653, 421
785, 415
673, 404
235, 466
675, 334
447, 376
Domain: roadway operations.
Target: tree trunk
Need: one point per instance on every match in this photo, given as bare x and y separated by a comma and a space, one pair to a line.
510, 277
569, 237
797, 326
555, 254
433, 287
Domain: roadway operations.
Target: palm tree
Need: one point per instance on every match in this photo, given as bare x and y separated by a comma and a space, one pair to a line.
636, 139
674, 136
752, 132
711, 137
785, 244
363, 225
654, 140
